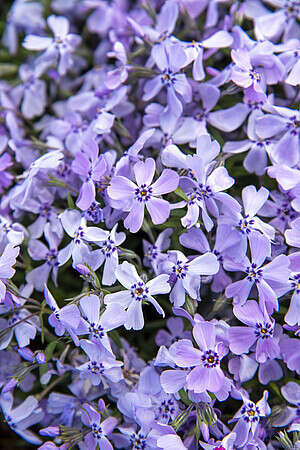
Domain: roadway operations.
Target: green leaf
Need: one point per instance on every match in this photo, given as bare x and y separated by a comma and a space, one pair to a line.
50, 350
70, 200
181, 194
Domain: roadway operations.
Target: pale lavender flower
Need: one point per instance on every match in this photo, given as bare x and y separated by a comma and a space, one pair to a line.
23, 416
38, 277
261, 330
292, 235
137, 292
102, 364
7, 261
63, 319
31, 93
248, 418
271, 279
97, 325
194, 51
99, 429
58, 49
109, 255
128, 196
75, 226
5, 177
284, 123
184, 275
204, 191
206, 374
169, 58
92, 167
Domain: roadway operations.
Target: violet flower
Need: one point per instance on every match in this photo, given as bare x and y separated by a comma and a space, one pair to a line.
99, 429
137, 292
169, 58
23, 416
6, 177
261, 330
248, 418
101, 364
57, 49
97, 325
92, 167
110, 255
132, 197
7, 260
75, 226
184, 275
63, 319
206, 373
271, 279
38, 277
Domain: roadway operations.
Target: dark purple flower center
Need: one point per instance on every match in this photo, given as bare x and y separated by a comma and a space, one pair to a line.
166, 410
168, 77
97, 431
51, 257
250, 412
264, 330
108, 248
78, 235
95, 367
254, 273
96, 330
295, 282
210, 359
180, 270
143, 193
139, 291
245, 224
254, 75
138, 441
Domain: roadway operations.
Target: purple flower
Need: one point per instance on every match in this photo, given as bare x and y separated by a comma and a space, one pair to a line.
184, 275
109, 255
153, 252
6, 178
284, 123
128, 196
271, 279
31, 93
292, 235
99, 430
101, 364
176, 332
292, 317
227, 443
75, 226
62, 319
169, 58
206, 373
260, 330
194, 51
23, 416
203, 190
97, 325
7, 260
38, 277
247, 223
89, 165
248, 418
137, 292
58, 49
243, 73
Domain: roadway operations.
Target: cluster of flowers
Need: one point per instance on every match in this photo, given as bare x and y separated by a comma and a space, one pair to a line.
124, 183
